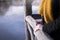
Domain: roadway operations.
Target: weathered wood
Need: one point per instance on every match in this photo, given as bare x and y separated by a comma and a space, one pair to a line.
40, 35
28, 20
27, 33
31, 32
31, 21
28, 11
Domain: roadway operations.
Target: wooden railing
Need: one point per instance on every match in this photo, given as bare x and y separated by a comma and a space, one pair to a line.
30, 25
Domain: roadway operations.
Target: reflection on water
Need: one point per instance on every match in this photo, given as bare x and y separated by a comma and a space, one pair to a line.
12, 24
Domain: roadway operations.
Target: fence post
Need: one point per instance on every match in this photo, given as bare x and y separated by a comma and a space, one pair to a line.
28, 11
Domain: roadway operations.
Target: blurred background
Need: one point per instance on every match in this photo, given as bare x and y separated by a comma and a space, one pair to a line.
12, 19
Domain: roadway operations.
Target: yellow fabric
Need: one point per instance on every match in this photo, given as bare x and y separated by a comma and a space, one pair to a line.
45, 10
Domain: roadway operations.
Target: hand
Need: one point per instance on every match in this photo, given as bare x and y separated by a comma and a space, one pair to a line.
38, 27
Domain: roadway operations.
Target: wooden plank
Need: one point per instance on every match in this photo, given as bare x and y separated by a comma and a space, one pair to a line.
31, 21
28, 11
31, 32
40, 35
27, 33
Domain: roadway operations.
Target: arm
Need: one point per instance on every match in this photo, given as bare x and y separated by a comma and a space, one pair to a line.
52, 26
